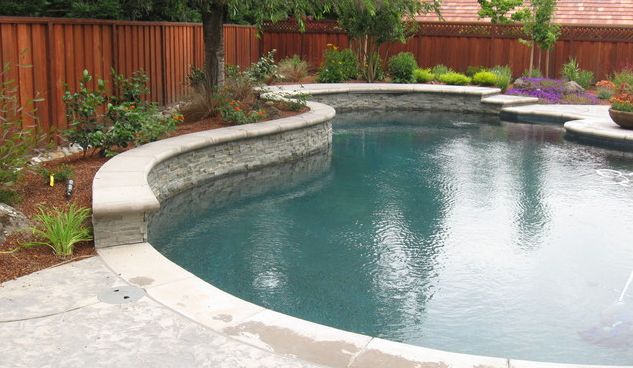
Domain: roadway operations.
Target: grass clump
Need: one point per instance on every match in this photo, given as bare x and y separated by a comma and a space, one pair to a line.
571, 71
503, 74
293, 69
61, 230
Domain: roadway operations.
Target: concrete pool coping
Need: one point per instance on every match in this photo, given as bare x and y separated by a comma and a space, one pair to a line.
121, 188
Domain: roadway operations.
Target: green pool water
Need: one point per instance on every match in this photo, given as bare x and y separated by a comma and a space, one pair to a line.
449, 231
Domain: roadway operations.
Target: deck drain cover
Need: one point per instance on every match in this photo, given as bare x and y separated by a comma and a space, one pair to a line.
121, 294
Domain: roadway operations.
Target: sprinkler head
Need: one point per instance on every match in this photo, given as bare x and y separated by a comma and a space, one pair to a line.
69, 188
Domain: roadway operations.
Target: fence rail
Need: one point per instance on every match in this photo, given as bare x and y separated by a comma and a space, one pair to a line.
601, 49
43, 55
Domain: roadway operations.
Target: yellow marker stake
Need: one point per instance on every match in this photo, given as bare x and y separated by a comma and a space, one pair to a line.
51, 181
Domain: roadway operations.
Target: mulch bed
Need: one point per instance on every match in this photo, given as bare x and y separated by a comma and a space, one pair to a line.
35, 192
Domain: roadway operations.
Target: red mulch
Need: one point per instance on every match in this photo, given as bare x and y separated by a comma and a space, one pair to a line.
35, 191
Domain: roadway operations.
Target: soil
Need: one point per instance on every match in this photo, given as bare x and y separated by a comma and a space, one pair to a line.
35, 192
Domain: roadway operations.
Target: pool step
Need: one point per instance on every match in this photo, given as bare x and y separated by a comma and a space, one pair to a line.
502, 101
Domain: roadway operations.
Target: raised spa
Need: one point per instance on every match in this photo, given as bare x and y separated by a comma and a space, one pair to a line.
455, 232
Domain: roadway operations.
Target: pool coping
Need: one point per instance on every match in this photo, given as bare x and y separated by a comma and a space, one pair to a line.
121, 186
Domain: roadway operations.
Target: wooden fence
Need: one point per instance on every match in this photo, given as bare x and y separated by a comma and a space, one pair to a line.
601, 49
45, 54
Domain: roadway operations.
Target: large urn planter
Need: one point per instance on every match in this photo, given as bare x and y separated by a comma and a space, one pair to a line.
622, 118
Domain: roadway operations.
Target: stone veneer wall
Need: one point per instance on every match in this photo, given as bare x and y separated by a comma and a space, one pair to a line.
442, 101
185, 171
189, 168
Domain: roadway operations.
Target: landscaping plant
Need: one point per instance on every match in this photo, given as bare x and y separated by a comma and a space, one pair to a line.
439, 70
623, 101
61, 174
551, 91
623, 78
61, 229
401, 67
338, 65
265, 70
293, 69
484, 78
572, 72
472, 70
605, 89
453, 78
16, 143
423, 75
503, 75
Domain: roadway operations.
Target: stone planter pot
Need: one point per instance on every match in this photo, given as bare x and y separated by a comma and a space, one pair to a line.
622, 118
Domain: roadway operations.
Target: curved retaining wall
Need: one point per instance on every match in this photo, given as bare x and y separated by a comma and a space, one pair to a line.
128, 191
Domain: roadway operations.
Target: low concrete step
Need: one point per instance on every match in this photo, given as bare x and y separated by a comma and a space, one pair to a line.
509, 100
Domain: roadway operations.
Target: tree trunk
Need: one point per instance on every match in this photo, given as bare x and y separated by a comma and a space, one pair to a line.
546, 63
531, 59
213, 33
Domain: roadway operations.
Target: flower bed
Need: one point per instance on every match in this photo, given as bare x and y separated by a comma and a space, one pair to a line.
551, 91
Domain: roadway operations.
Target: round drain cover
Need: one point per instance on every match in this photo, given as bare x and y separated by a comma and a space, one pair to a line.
121, 294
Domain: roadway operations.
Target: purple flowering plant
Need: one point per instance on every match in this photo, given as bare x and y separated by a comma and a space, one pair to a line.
551, 91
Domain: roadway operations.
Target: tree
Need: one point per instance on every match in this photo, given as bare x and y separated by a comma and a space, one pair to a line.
371, 23
214, 13
497, 11
540, 29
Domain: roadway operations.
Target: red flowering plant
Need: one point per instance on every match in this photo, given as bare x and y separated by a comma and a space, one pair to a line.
236, 112
623, 100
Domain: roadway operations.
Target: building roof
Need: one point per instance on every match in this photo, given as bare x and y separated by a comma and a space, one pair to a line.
594, 12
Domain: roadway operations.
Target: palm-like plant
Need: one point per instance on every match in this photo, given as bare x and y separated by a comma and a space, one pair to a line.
61, 230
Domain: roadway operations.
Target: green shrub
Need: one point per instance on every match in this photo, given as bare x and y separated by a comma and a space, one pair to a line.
264, 70
338, 66
453, 78
536, 73
401, 67
85, 123
293, 69
572, 72
16, 143
423, 75
472, 70
130, 89
236, 113
127, 120
605, 93
440, 70
503, 76
484, 78
624, 78
61, 230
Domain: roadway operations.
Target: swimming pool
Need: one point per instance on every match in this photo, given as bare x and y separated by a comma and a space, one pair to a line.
450, 231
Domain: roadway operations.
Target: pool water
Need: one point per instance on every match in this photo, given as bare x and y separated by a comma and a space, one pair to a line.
449, 231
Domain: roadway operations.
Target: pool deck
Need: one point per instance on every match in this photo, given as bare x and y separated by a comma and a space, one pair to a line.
58, 316
53, 318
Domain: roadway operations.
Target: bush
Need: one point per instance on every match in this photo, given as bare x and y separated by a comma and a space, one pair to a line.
472, 70
624, 78
551, 91
264, 70
572, 72
503, 76
61, 230
401, 67
423, 75
536, 73
453, 78
16, 143
293, 69
128, 119
338, 65
439, 70
485, 78
236, 113
238, 85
